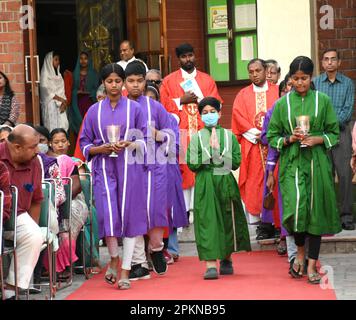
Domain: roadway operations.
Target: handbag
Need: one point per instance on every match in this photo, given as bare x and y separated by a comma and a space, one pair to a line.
268, 201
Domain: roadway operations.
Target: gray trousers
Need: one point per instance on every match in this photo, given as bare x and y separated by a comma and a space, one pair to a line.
341, 155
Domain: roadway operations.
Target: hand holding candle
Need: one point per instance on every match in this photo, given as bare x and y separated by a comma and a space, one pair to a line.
113, 132
303, 125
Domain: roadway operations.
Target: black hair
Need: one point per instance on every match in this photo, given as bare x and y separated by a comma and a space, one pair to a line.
332, 50
282, 86
136, 68
152, 87
263, 63
287, 77
85, 53
8, 91
15, 138
129, 42
211, 101
312, 85
56, 53
301, 63
43, 131
112, 68
56, 131
5, 128
183, 49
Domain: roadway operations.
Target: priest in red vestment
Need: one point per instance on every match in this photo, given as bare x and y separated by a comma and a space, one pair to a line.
181, 92
250, 107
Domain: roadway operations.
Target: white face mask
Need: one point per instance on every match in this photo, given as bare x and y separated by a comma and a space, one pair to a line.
43, 147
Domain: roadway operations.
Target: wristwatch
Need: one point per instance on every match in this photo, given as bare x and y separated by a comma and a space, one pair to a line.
287, 140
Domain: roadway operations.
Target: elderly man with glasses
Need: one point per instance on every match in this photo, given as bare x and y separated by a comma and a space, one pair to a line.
341, 90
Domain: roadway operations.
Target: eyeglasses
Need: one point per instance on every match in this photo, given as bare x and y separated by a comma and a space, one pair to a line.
332, 59
157, 82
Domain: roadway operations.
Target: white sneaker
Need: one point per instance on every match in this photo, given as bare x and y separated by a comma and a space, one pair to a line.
191, 218
253, 220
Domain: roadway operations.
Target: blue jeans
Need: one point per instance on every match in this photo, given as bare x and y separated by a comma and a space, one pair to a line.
173, 246
291, 248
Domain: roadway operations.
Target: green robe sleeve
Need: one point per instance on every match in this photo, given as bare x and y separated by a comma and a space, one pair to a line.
275, 129
236, 153
331, 125
194, 154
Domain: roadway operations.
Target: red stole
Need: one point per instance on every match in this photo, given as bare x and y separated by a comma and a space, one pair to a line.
249, 110
190, 121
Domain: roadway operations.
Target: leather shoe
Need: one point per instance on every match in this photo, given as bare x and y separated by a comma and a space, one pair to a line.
347, 225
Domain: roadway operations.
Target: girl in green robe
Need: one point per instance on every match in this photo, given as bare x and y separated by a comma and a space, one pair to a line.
305, 175
219, 220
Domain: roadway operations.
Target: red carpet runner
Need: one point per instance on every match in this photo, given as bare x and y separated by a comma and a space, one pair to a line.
258, 276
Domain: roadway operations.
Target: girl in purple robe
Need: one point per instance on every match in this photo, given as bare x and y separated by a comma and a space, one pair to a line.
118, 181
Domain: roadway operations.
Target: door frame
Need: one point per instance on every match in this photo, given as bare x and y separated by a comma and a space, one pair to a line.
32, 68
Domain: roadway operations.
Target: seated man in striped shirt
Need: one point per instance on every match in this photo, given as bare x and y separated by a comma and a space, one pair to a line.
341, 90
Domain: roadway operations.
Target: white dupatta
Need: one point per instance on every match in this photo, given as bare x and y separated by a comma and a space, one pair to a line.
50, 83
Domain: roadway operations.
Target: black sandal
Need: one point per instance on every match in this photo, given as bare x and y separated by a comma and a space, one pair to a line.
111, 276
297, 272
282, 247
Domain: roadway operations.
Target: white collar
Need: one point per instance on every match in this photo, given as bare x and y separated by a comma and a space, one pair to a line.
260, 89
125, 63
186, 75
132, 59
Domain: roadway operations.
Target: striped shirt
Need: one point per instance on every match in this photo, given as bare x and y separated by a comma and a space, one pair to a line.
342, 94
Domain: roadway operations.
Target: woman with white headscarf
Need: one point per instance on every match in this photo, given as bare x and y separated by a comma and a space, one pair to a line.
53, 98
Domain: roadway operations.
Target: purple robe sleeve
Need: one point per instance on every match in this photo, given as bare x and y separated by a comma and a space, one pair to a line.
272, 159
265, 126
173, 143
165, 126
141, 125
273, 154
87, 137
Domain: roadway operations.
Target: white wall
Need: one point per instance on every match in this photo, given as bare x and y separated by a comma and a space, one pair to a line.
284, 30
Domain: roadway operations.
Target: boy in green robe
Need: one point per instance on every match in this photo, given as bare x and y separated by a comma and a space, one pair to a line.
219, 221
305, 174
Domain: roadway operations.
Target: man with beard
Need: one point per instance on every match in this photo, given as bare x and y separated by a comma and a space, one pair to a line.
19, 154
249, 111
181, 92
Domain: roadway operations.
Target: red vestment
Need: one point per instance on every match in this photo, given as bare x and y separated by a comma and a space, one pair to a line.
247, 114
190, 121
77, 152
68, 85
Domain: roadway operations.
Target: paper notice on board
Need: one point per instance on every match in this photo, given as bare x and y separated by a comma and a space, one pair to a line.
222, 51
247, 48
219, 18
245, 16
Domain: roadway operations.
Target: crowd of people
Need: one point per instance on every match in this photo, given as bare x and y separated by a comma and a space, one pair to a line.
159, 158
